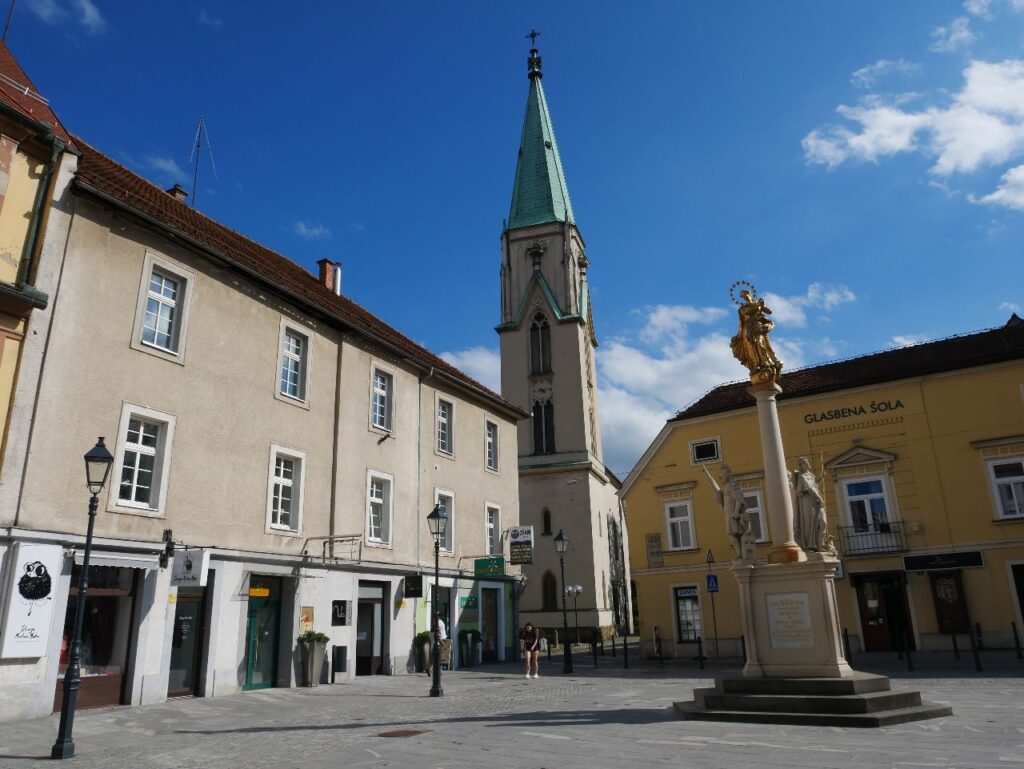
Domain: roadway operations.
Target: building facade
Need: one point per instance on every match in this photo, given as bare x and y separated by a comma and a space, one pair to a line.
276, 447
547, 369
921, 451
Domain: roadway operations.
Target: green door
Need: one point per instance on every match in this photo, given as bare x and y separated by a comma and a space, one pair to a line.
261, 642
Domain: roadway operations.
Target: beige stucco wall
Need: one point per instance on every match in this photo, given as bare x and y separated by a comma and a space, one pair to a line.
17, 200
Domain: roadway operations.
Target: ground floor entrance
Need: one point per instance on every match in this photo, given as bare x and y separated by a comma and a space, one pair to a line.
371, 629
490, 638
108, 635
186, 642
263, 630
884, 614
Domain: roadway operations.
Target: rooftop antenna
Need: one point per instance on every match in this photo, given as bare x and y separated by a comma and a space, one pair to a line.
201, 131
10, 15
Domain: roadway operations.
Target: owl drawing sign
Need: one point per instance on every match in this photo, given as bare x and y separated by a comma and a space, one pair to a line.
29, 599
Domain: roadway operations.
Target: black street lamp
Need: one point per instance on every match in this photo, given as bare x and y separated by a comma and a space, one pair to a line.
437, 520
561, 545
97, 467
574, 591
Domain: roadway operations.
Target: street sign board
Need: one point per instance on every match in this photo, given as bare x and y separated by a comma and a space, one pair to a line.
710, 558
520, 545
489, 567
191, 567
712, 580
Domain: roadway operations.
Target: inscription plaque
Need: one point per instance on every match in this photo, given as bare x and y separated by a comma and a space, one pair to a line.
789, 620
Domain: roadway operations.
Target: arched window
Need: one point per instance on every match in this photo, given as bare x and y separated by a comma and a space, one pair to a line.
540, 345
550, 591
547, 521
543, 428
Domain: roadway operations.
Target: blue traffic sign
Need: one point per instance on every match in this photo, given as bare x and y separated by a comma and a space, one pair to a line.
712, 583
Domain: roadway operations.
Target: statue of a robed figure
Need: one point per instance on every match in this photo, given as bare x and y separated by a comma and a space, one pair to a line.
810, 527
751, 346
737, 519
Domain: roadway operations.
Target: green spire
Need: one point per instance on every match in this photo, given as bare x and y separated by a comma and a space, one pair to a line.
540, 193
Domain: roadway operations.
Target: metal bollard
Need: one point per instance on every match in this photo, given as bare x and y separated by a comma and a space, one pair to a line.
743, 648
625, 652
899, 644
657, 648
974, 651
700, 652
981, 639
548, 645
956, 647
602, 645
613, 646
846, 647
909, 643
1016, 639
593, 649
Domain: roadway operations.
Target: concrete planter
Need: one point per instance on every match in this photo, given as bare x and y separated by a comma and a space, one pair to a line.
312, 654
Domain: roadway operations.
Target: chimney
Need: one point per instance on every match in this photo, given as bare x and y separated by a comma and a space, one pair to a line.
330, 275
178, 192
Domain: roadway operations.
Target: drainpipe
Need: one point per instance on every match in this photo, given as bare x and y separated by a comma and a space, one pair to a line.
419, 457
335, 439
40, 209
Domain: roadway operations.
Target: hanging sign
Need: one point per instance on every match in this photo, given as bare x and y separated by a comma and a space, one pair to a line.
414, 586
191, 567
28, 614
489, 567
520, 545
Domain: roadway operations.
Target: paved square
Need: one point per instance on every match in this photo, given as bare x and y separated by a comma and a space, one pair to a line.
493, 717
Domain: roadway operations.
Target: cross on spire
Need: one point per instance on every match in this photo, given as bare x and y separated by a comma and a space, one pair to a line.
534, 34
533, 63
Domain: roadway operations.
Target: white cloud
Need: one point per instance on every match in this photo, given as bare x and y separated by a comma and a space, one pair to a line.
83, 12
979, 8
1011, 307
671, 320
956, 35
866, 77
167, 167
311, 230
1009, 193
792, 310
209, 21
481, 363
907, 340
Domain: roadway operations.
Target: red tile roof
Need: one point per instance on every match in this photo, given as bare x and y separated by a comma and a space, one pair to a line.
996, 345
98, 173
17, 91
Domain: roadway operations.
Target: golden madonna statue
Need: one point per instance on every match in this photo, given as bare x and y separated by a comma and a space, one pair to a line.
750, 345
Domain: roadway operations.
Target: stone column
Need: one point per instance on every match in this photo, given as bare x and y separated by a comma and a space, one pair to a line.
780, 503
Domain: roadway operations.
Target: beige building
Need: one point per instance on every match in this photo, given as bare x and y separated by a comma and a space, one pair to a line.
547, 368
286, 444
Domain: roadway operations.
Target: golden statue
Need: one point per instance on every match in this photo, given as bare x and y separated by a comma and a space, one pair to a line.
750, 345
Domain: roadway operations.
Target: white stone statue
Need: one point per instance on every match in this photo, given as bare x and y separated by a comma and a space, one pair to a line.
809, 525
737, 519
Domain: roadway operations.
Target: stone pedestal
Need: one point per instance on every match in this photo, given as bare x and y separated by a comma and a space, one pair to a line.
790, 619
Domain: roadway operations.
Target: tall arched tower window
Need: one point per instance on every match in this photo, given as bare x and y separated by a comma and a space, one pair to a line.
547, 521
540, 345
543, 428
550, 592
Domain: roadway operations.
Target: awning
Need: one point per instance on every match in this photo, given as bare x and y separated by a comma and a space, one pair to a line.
120, 560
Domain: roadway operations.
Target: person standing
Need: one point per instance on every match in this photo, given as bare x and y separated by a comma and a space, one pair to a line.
531, 650
442, 641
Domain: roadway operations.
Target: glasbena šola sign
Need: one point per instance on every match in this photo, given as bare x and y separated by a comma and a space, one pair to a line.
875, 407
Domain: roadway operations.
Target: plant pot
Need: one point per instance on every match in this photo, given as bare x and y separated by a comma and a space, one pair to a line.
423, 657
312, 655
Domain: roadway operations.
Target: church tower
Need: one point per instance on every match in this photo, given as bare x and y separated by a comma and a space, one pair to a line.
547, 368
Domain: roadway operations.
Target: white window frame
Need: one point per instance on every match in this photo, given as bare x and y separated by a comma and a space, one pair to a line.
994, 486
449, 425
389, 416
161, 468
387, 521
688, 504
494, 529
298, 490
305, 364
887, 495
448, 546
762, 516
710, 439
183, 305
492, 447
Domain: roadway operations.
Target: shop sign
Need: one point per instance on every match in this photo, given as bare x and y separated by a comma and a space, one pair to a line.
468, 602
520, 545
341, 611
259, 592
29, 607
935, 561
191, 567
858, 410
414, 586
489, 567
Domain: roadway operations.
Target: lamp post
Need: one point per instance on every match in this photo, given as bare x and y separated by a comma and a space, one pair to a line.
574, 591
97, 467
561, 545
437, 520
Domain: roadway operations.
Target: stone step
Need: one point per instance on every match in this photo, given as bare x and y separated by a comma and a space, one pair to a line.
693, 711
871, 702
858, 683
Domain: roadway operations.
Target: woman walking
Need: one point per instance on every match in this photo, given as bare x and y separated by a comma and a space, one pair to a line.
531, 649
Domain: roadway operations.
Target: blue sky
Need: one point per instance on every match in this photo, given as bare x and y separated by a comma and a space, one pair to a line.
861, 163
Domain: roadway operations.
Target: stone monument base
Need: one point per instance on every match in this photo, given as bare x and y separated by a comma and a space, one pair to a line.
790, 619
860, 699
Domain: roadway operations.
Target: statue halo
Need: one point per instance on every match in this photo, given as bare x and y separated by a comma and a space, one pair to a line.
737, 284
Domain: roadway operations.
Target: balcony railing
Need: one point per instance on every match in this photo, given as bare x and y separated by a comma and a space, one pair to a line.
873, 538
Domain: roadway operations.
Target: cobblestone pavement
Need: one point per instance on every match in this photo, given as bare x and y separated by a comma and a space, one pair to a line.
492, 717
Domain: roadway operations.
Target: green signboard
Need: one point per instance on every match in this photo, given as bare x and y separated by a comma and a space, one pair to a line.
489, 567
468, 601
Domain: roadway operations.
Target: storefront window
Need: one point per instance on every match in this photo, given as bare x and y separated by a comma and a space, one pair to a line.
106, 625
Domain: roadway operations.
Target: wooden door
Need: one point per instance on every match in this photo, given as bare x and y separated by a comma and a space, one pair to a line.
874, 621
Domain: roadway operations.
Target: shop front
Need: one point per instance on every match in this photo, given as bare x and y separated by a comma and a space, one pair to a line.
884, 613
263, 631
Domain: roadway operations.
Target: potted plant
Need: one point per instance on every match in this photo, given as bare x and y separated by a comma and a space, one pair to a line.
312, 647
421, 643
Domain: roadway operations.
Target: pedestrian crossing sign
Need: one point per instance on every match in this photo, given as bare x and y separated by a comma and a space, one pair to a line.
712, 583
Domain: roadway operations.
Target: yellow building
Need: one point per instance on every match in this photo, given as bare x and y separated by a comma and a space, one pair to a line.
921, 452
